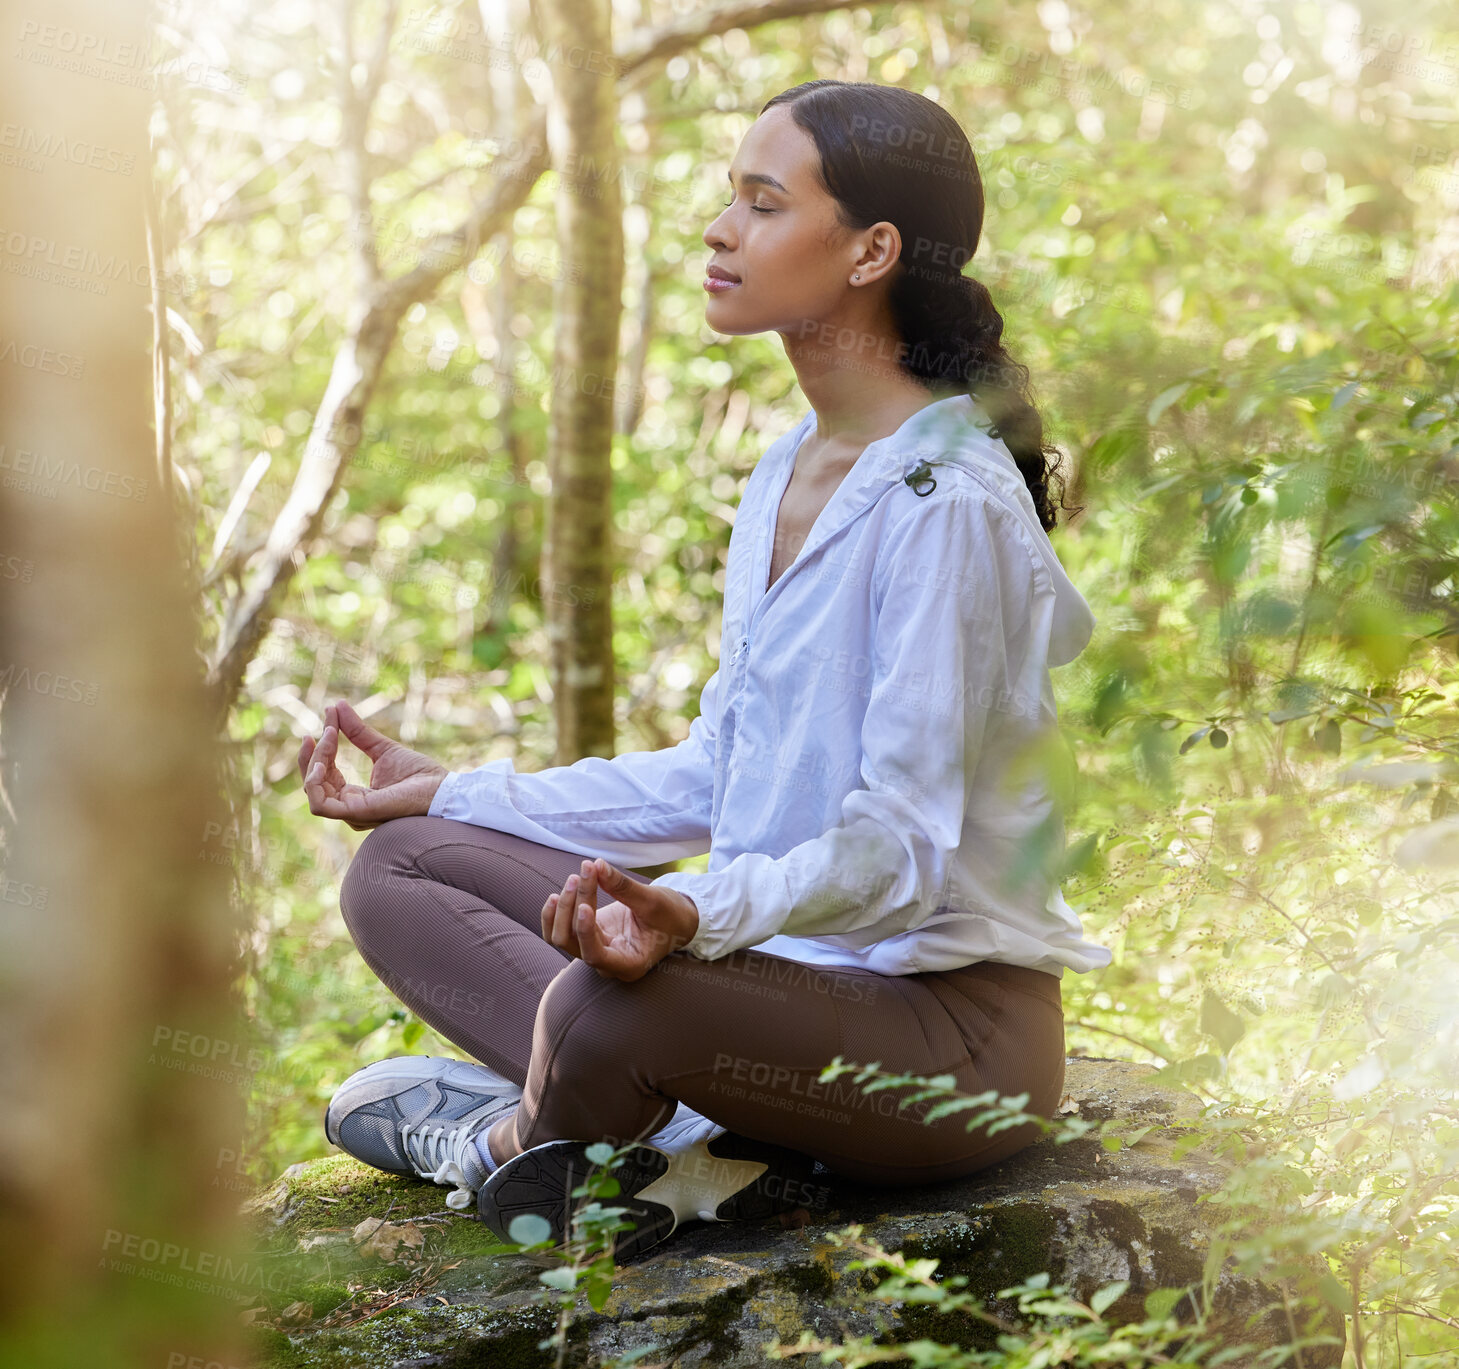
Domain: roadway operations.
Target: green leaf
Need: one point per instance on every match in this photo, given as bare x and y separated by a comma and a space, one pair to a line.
1164, 400
1332, 989
1103, 1297
1185, 1145
1190, 1071
1111, 449
563, 1278
529, 1228
948, 1107
412, 1032
1161, 1302
1218, 1022
1333, 1293
1285, 715
599, 1153
1193, 739
1079, 856
600, 1285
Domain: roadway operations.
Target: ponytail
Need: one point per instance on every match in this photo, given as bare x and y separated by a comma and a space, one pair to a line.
953, 334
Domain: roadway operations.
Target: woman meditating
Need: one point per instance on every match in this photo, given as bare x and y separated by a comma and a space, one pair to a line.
864, 770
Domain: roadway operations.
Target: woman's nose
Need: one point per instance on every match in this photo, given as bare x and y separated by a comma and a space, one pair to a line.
715, 236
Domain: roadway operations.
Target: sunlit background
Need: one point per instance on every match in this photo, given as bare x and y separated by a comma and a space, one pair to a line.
1224, 236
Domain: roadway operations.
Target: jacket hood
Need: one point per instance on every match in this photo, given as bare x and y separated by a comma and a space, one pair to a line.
955, 431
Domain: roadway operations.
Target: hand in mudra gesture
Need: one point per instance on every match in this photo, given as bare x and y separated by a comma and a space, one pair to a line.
402, 782
624, 939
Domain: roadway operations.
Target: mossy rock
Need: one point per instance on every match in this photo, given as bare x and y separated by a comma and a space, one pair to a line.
718, 1294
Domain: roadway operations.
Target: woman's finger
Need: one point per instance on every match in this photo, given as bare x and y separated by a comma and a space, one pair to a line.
322, 762
562, 915
613, 881
549, 923
314, 784
374, 744
590, 941
588, 884
326, 805
609, 961
641, 899
306, 749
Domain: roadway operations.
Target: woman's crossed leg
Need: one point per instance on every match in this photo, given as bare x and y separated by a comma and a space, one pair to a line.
449, 916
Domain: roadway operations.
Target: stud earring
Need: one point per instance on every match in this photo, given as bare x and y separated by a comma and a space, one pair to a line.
857, 276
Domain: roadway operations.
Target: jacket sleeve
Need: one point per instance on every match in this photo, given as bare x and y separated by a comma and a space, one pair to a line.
639, 808
951, 614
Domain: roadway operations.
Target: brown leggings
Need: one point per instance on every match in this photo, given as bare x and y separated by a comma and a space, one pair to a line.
448, 915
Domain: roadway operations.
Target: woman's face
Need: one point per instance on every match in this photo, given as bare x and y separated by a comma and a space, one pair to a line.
777, 236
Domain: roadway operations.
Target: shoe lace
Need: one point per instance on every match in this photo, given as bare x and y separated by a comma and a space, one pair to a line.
439, 1154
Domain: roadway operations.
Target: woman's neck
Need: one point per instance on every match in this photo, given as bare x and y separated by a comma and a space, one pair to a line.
857, 399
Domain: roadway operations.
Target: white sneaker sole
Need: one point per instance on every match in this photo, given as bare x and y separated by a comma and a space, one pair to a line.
725, 1178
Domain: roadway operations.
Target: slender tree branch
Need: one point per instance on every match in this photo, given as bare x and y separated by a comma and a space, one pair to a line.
651, 48
1121, 1036
336, 431
338, 423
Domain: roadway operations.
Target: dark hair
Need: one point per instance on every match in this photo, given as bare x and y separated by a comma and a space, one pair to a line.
892, 154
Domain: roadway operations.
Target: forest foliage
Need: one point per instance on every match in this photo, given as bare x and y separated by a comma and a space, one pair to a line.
1224, 236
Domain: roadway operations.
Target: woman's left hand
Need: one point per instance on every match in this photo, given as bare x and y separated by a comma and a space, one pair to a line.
624, 939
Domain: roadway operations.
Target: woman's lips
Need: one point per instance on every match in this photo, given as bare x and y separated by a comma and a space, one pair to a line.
717, 285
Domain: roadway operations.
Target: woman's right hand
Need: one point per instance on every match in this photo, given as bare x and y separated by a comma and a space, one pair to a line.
402, 781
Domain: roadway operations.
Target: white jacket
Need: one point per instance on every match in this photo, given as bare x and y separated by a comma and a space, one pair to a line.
864, 771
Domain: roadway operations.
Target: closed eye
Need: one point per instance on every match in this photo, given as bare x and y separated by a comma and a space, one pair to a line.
755, 207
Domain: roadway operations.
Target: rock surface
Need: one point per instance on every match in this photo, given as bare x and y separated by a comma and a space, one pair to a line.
433, 1288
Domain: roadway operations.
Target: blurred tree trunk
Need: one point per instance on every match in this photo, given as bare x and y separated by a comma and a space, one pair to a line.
116, 940
489, 316
582, 137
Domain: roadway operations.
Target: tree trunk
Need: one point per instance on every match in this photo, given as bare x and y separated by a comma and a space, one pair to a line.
588, 305
121, 1076
372, 331
489, 314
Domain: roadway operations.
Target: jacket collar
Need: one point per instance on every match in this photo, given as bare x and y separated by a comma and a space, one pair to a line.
945, 431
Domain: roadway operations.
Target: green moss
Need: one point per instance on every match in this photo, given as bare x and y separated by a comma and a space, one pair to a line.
502, 1340
1121, 1223
1018, 1241
322, 1295
712, 1323
813, 1280
1179, 1262
274, 1350
465, 1338
340, 1191
1000, 1247
464, 1236
337, 1193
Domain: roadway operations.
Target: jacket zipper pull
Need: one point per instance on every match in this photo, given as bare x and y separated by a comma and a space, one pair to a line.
921, 475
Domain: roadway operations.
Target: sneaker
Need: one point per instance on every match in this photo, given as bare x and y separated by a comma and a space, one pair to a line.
692, 1169
421, 1114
